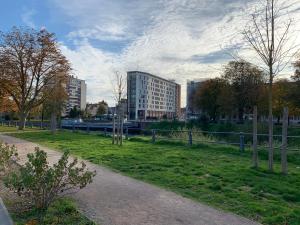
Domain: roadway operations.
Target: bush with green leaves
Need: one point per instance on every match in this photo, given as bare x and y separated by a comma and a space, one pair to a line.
62, 211
42, 183
7, 155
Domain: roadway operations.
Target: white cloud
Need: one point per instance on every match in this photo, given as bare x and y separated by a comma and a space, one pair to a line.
94, 66
113, 32
178, 39
27, 19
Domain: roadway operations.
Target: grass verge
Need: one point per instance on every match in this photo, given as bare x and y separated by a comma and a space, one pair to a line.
62, 212
217, 175
4, 129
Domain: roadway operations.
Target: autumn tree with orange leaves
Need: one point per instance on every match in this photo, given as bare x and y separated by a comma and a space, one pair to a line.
30, 64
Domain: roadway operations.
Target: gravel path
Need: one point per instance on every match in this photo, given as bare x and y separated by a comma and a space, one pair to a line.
114, 199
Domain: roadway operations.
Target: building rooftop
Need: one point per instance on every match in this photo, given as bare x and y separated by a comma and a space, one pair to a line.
75, 77
149, 74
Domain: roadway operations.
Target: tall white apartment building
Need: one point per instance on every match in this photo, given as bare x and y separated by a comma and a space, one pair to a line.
76, 90
152, 97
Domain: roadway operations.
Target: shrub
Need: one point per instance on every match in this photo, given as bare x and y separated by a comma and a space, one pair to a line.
7, 154
42, 183
61, 212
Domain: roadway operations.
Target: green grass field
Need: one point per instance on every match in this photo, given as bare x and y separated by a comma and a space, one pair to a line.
219, 176
15, 129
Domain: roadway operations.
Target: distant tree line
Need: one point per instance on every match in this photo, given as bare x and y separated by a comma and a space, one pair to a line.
101, 109
243, 86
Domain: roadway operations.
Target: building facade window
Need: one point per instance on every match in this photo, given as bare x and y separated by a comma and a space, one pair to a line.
156, 96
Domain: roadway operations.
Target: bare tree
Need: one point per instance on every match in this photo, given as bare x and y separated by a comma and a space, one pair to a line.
29, 62
268, 36
119, 91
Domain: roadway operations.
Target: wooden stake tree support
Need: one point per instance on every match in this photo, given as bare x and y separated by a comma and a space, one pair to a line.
255, 152
284, 167
114, 127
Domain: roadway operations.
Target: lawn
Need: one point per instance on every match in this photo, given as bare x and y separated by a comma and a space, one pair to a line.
219, 176
15, 129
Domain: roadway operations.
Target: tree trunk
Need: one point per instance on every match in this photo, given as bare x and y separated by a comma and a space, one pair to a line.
22, 117
271, 51
53, 123
271, 150
114, 128
121, 121
241, 115
284, 167
118, 127
255, 153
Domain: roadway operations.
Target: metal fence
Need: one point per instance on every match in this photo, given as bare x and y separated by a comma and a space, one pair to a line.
30, 124
241, 139
190, 137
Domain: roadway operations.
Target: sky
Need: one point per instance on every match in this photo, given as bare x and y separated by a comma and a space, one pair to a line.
175, 39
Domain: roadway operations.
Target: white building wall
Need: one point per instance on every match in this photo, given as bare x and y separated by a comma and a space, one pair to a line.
82, 95
76, 89
154, 94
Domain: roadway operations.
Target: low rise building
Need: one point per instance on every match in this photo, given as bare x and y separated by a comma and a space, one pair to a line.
92, 109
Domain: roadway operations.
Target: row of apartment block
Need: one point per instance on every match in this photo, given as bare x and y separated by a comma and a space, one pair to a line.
149, 97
